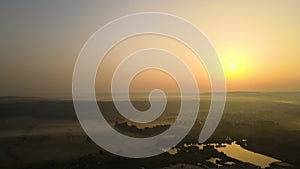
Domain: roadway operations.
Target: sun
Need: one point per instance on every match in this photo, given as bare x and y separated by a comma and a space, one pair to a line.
236, 62
232, 70
232, 67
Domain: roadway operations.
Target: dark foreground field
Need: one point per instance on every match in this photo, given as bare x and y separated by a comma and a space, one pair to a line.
40, 133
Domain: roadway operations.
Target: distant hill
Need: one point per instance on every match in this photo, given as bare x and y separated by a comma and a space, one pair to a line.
24, 99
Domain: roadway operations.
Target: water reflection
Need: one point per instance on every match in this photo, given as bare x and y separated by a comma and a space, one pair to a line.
200, 146
172, 151
232, 150
215, 161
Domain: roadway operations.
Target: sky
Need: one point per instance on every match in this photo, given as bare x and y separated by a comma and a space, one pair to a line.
257, 42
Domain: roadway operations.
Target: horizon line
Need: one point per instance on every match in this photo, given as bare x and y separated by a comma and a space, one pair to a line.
69, 96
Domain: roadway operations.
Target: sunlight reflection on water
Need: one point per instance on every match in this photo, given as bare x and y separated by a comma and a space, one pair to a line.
235, 151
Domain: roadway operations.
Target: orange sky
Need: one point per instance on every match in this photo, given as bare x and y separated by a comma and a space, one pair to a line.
257, 41
152, 78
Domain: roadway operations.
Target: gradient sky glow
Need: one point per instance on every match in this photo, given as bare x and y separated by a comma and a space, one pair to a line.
257, 41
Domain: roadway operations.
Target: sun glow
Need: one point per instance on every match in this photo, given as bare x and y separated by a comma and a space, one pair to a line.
232, 67
236, 60
232, 70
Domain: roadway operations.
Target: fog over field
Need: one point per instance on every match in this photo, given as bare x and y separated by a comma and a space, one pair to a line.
37, 132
